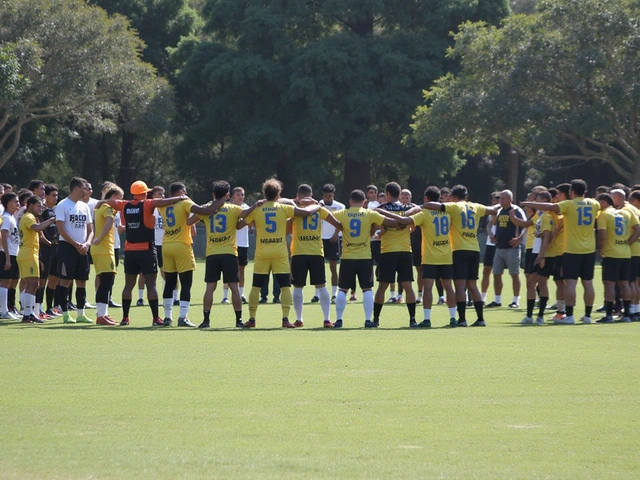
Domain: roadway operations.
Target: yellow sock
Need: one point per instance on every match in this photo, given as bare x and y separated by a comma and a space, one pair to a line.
254, 298
286, 299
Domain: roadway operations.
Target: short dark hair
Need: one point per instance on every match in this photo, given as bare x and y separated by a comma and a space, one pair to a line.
459, 191
112, 191
6, 198
33, 199
23, 195
357, 196
564, 188
176, 187
6, 185
236, 190
33, 184
603, 196
305, 189
271, 188
393, 189
49, 189
579, 187
635, 187
220, 188
328, 188
553, 192
635, 195
602, 189
432, 194
545, 195
77, 182
152, 192
445, 191
372, 187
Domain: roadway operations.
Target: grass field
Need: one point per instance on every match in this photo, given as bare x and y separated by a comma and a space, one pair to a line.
498, 402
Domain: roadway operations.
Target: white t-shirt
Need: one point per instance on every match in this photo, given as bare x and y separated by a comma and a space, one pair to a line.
537, 240
327, 229
159, 228
493, 232
10, 225
75, 217
242, 235
116, 235
92, 206
372, 205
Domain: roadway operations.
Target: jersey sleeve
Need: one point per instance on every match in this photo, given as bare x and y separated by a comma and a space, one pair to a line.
633, 220
323, 212
451, 208
546, 223
418, 218
377, 218
202, 217
290, 210
602, 221
249, 218
481, 209
61, 214
29, 221
565, 205
186, 206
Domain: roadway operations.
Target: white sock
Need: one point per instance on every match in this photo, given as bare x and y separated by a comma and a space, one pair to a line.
22, 300
4, 293
561, 305
241, 290
37, 309
184, 309
101, 309
452, 312
427, 313
141, 294
225, 293
298, 300
167, 303
341, 304
80, 312
317, 294
334, 290
325, 302
483, 295
443, 299
498, 298
393, 294
516, 299
419, 297
367, 303
175, 295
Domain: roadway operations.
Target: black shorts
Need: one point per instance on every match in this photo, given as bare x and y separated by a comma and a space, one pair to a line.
576, 265
14, 272
49, 261
138, 262
375, 251
72, 265
331, 249
243, 256
634, 269
225, 264
395, 262
529, 260
489, 253
615, 269
301, 264
549, 267
350, 269
116, 254
158, 256
416, 255
437, 271
465, 265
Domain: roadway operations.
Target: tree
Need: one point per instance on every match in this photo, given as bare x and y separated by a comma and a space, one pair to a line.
73, 61
562, 84
321, 86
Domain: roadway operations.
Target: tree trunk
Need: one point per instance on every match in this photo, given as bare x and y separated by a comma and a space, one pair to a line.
126, 161
513, 160
357, 175
417, 187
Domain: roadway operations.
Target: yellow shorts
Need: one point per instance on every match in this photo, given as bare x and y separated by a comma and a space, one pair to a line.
177, 257
104, 263
29, 268
276, 265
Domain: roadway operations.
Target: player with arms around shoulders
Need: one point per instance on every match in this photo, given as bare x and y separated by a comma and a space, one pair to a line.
10, 248
28, 256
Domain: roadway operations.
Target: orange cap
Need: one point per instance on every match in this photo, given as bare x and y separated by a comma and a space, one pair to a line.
139, 187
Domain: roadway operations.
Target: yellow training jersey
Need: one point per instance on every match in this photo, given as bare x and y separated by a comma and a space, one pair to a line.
221, 229
531, 231
396, 239
579, 220
551, 222
29, 240
436, 247
465, 217
618, 225
306, 234
105, 247
175, 218
635, 246
356, 228
271, 228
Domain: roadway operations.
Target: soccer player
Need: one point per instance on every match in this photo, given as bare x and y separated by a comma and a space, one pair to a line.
222, 250
507, 238
395, 257
579, 257
158, 231
49, 253
489, 250
634, 275
466, 251
271, 253
307, 256
10, 247
177, 252
617, 230
330, 240
357, 223
103, 253
28, 257
242, 243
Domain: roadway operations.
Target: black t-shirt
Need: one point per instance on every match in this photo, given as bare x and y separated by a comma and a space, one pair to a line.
505, 228
51, 232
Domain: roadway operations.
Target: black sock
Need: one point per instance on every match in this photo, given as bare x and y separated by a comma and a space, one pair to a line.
627, 307
377, 308
153, 305
530, 306
50, 294
238, 315
608, 308
587, 310
462, 311
61, 294
126, 305
412, 310
81, 297
543, 305
205, 314
11, 296
478, 306
569, 311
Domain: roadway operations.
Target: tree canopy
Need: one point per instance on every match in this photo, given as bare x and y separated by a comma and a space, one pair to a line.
562, 84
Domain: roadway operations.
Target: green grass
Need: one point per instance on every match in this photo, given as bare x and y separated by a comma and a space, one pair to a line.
500, 402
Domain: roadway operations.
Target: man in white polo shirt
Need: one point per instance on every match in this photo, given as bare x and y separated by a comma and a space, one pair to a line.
330, 241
